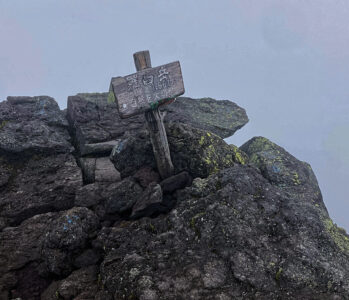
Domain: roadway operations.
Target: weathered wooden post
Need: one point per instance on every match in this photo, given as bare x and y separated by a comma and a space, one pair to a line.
144, 92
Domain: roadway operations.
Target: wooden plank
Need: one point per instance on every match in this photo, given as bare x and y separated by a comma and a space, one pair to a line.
155, 125
148, 88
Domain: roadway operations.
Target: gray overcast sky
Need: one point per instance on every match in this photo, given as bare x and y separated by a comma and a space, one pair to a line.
286, 62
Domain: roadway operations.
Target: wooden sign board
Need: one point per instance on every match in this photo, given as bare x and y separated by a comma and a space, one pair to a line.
147, 89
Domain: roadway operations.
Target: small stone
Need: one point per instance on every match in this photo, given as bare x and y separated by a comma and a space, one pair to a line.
149, 203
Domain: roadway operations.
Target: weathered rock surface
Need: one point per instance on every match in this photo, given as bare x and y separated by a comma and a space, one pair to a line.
38, 185
176, 182
66, 238
199, 152
33, 125
251, 225
38, 174
99, 169
81, 284
149, 203
20, 247
222, 117
233, 235
96, 124
277, 165
94, 120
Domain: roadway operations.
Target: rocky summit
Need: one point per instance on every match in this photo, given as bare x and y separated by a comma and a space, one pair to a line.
84, 213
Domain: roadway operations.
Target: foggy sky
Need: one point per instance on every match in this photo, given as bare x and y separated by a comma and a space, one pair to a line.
286, 62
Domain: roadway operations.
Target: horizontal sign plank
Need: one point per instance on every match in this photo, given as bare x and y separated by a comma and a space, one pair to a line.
147, 89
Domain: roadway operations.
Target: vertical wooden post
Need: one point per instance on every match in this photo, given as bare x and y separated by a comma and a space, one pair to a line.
156, 126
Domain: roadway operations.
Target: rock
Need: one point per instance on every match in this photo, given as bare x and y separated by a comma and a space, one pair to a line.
105, 171
109, 201
234, 235
176, 182
99, 149
20, 257
146, 175
132, 153
123, 197
66, 238
88, 168
221, 117
277, 165
87, 258
39, 184
95, 121
81, 284
89, 195
149, 203
33, 125
199, 152
6, 172
99, 169
239, 156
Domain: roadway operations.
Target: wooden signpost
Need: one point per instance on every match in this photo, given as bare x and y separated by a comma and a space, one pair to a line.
144, 92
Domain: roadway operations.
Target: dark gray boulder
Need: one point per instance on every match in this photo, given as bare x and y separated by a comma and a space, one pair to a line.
133, 152
66, 238
199, 152
81, 284
277, 165
149, 203
96, 124
176, 182
146, 175
39, 185
123, 197
221, 117
33, 125
109, 201
233, 235
38, 173
20, 257
94, 120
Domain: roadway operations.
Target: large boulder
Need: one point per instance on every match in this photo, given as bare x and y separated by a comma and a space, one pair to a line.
66, 238
96, 124
221, 117
82, 284
33, 125
199, 152
94, 120
233, 235
109, 200
277, 165
20, 257
37, 185
38, 173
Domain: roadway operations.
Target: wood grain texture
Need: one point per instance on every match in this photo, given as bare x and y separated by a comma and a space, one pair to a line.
148, 88
142, 60
155, 125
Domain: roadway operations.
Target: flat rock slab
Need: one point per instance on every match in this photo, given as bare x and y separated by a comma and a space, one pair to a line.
99, 169
221, 117
33, 125
95, 120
